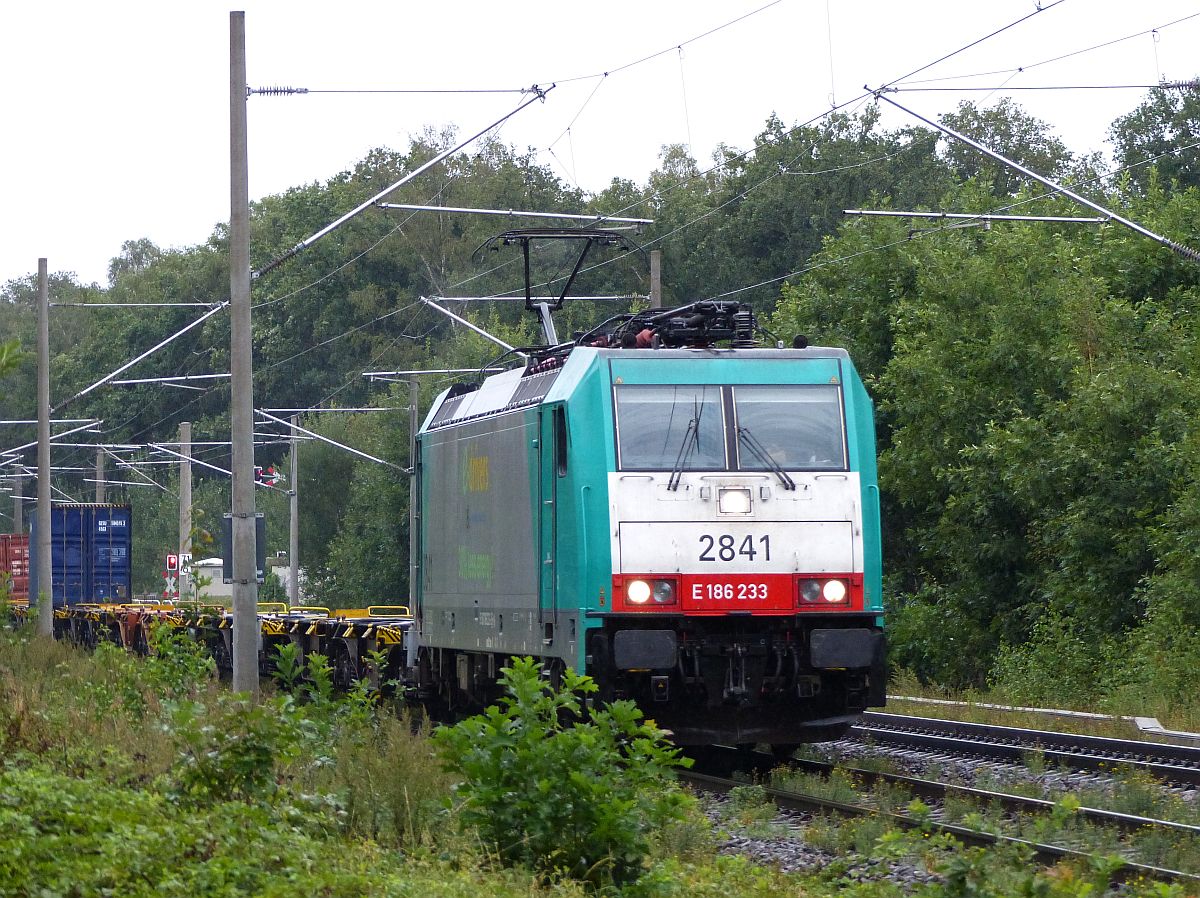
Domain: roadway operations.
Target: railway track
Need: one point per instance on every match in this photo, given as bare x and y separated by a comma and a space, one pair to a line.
931, 790
1177, 764
797, 802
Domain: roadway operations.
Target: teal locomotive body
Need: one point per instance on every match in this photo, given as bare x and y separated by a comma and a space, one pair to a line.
696, 528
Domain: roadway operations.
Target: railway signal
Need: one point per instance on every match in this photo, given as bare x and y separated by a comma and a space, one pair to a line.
267, 476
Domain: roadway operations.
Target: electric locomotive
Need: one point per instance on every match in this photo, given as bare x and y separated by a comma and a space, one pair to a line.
694, 525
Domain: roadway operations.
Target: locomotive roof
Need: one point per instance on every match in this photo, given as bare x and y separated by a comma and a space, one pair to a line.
523, 387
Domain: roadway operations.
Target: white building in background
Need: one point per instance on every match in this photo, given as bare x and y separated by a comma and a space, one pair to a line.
215, 589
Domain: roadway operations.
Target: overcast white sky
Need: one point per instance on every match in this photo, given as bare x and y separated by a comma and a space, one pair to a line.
116, 113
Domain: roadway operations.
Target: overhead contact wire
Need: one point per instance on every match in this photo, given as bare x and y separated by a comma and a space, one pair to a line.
1034, 65
948, 227
1039, 9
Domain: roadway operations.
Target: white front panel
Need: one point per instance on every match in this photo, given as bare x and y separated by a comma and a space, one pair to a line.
815, 528
726, 547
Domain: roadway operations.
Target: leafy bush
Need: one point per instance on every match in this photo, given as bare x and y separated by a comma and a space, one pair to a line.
1057, 666
1003, 872
178, 664
560, 793
236, 749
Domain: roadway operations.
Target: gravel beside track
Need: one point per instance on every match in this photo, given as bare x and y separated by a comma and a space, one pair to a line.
783, 846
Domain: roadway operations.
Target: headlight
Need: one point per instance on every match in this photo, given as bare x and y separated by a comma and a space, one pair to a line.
664, 592
656, 591
831, 592
834, 591
735, 501
638, 592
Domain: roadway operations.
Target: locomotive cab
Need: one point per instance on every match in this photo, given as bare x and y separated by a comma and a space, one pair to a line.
744, 540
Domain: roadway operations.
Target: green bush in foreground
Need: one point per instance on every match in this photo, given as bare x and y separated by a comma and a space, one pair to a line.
559, 793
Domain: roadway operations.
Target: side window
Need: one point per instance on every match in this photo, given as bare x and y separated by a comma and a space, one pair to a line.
560, 441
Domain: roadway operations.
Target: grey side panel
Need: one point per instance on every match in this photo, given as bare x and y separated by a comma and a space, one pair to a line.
479, 549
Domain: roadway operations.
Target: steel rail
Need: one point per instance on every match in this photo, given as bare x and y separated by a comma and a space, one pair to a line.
1186, 754
1047, 855
931, 789
1171, 762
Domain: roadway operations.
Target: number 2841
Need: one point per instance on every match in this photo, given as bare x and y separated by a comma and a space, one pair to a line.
727, 548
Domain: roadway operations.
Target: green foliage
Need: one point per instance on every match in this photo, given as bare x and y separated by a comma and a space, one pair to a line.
178, 665
1013, 133
1060, 664
76, 837
319, 678
1034, 383
1161, 128
286, 665
390, 784
993, 873
1033, 390
558, 792
232, 751
749, 805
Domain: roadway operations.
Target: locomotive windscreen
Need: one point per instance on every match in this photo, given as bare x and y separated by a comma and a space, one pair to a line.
659, 426
799, 426
796, 427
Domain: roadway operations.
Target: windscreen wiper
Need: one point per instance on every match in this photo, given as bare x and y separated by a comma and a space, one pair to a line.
691, 440
759, 451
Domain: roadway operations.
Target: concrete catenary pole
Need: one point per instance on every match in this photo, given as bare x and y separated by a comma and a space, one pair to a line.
414, 398
18, 505
99, 476
245, 579
45, 597
294, 517
414, 520
185, 507
656, 278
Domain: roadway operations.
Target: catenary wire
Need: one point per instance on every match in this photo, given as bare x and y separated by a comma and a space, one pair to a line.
934, 230
679, 47
1005, 87
1063, 56
1039, 9
724, 163
663, 52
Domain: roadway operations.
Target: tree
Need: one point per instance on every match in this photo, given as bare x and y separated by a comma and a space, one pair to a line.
1166, 128
136, 255
1010, 131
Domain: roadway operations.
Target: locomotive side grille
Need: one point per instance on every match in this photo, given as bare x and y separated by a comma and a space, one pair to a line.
534, 388
446, 412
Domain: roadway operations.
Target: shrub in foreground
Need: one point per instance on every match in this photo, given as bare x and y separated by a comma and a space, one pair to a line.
560, 792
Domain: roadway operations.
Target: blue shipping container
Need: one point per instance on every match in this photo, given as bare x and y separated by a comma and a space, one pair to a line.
89, 554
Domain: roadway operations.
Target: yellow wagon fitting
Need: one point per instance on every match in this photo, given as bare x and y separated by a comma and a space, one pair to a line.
272, 608
388, 611
386, 635
309, 609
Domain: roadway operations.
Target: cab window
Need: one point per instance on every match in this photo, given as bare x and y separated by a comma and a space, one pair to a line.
799, 427
663, 427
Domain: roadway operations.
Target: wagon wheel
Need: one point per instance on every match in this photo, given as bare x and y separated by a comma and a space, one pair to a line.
783, 751
345, 670
140, 643
87, 635
216, 647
